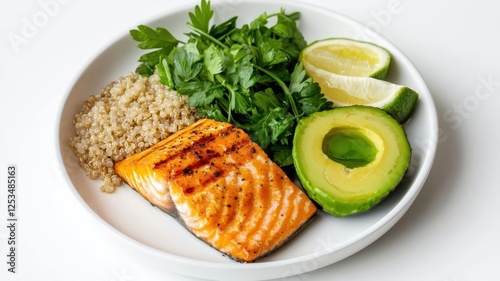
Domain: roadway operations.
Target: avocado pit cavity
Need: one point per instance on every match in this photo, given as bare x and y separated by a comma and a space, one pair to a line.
349, 146
350, 158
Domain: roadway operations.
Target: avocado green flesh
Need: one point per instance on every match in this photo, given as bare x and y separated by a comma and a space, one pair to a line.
350, 147
349, 158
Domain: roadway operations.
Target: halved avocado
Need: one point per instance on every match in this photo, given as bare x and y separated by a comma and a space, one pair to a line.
349, 158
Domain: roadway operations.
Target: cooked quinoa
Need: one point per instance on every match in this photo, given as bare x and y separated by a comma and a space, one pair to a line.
128, 116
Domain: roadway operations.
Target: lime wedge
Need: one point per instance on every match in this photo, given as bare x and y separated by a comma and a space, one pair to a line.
343, 90
348, 57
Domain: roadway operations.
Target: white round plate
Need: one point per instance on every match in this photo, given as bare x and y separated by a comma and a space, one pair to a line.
153, 236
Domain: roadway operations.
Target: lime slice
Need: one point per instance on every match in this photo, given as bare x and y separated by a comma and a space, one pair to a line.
348, 57
343, 90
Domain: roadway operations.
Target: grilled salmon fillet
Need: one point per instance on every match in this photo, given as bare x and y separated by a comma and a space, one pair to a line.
224, 188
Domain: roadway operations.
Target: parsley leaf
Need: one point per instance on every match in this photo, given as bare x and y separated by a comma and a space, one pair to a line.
307, 93
150, 38
223, 29
200, 19
249, 76
160, 39
186, 63
213, 59
164, 73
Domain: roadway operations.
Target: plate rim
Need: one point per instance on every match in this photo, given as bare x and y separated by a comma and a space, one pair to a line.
375, 230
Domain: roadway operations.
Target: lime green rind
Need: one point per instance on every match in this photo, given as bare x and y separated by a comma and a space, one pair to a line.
400, 107
381, 73
403, 106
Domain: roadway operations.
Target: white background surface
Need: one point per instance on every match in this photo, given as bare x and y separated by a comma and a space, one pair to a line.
451, 233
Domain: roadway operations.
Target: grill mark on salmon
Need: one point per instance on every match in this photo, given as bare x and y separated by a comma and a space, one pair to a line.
195, 147
223, 188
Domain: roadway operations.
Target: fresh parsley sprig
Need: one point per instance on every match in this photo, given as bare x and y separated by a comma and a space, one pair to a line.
249, 76
160, 39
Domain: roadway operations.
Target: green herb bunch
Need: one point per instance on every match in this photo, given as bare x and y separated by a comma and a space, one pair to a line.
249, 76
